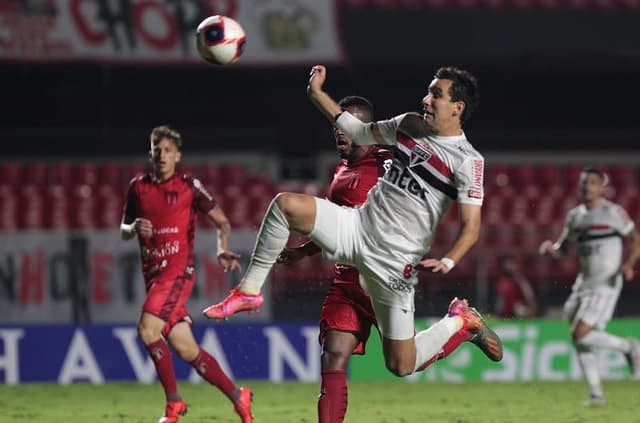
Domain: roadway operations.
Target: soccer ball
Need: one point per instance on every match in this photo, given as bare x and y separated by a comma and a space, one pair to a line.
220, 40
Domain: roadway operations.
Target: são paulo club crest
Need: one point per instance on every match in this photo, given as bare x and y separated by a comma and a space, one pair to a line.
418, 155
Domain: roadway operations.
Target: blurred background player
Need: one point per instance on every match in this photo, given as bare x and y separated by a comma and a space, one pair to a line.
514, 296
388, 237
597, 226
346, 316
161, 209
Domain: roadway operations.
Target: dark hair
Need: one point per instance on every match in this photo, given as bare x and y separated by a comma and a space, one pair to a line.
355, 100
164, 131
592, 169
464, 88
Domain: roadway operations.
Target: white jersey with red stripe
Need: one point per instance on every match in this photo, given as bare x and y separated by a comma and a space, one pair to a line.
598, 233
428, 173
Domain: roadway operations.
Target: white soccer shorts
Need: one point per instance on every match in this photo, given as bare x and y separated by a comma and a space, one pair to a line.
593, 306
383, 274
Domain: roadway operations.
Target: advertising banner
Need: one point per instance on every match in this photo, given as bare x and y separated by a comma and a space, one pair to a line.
163, 31
95, 276
101, 353
533, 350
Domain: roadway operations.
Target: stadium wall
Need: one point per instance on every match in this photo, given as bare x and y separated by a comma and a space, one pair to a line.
93, 276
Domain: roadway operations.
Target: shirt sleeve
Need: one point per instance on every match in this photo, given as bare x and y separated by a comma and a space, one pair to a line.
382, 132
566, 233
469, 181
624, 224
203, 201
129, 211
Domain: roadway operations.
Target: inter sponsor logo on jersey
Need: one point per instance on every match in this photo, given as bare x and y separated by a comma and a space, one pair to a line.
426, 164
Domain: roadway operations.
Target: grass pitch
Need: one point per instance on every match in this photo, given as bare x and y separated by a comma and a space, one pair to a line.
370, 402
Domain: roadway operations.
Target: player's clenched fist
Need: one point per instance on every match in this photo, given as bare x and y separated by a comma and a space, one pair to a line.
143, 227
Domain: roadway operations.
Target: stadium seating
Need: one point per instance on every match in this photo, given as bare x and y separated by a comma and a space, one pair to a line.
524, 205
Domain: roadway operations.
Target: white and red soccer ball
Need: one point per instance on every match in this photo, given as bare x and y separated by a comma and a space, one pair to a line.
220, 40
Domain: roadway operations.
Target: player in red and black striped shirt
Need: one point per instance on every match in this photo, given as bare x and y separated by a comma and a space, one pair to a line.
161, 209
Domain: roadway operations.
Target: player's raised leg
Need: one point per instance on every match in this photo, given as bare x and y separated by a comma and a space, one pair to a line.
287, 212
474, 330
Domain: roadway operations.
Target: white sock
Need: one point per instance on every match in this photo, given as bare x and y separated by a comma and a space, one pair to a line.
429, 342
272, 238
601, 339
589, 364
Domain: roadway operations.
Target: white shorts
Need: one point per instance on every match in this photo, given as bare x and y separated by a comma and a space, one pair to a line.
386, 278
593, 306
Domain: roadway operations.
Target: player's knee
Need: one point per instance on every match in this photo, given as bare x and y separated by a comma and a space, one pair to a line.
334, 358
186, 351
399, 367
147, 334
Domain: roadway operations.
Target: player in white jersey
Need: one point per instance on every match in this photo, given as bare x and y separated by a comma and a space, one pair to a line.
597, 226
388, 237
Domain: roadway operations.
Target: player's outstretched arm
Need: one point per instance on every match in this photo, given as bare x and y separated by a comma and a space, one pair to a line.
628, 267
227, 259
553, 249
362, 133
319, 97
470, 221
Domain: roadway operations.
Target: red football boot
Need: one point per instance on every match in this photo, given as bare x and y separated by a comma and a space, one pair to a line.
481, 334
235, 302
243, 405
173, 411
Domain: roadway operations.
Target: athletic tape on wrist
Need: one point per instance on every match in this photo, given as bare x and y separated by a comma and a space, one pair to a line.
448, 262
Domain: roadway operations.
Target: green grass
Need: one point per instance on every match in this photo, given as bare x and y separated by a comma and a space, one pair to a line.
370, 402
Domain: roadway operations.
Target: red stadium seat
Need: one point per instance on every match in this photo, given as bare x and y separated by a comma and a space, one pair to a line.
11, 173
35, 173
133, 170
232, 173
82, 211
108, 207
210, 173
573, 176
85, 173
8, 208
110, 174
522, 175
60, 173
497, 235
57, 206
497, 175
548, 176
31, 207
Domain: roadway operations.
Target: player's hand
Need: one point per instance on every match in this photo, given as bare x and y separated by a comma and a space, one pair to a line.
143, 227
290, 255
229, 261
628, 271
317, 76
432, 265
546, 248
